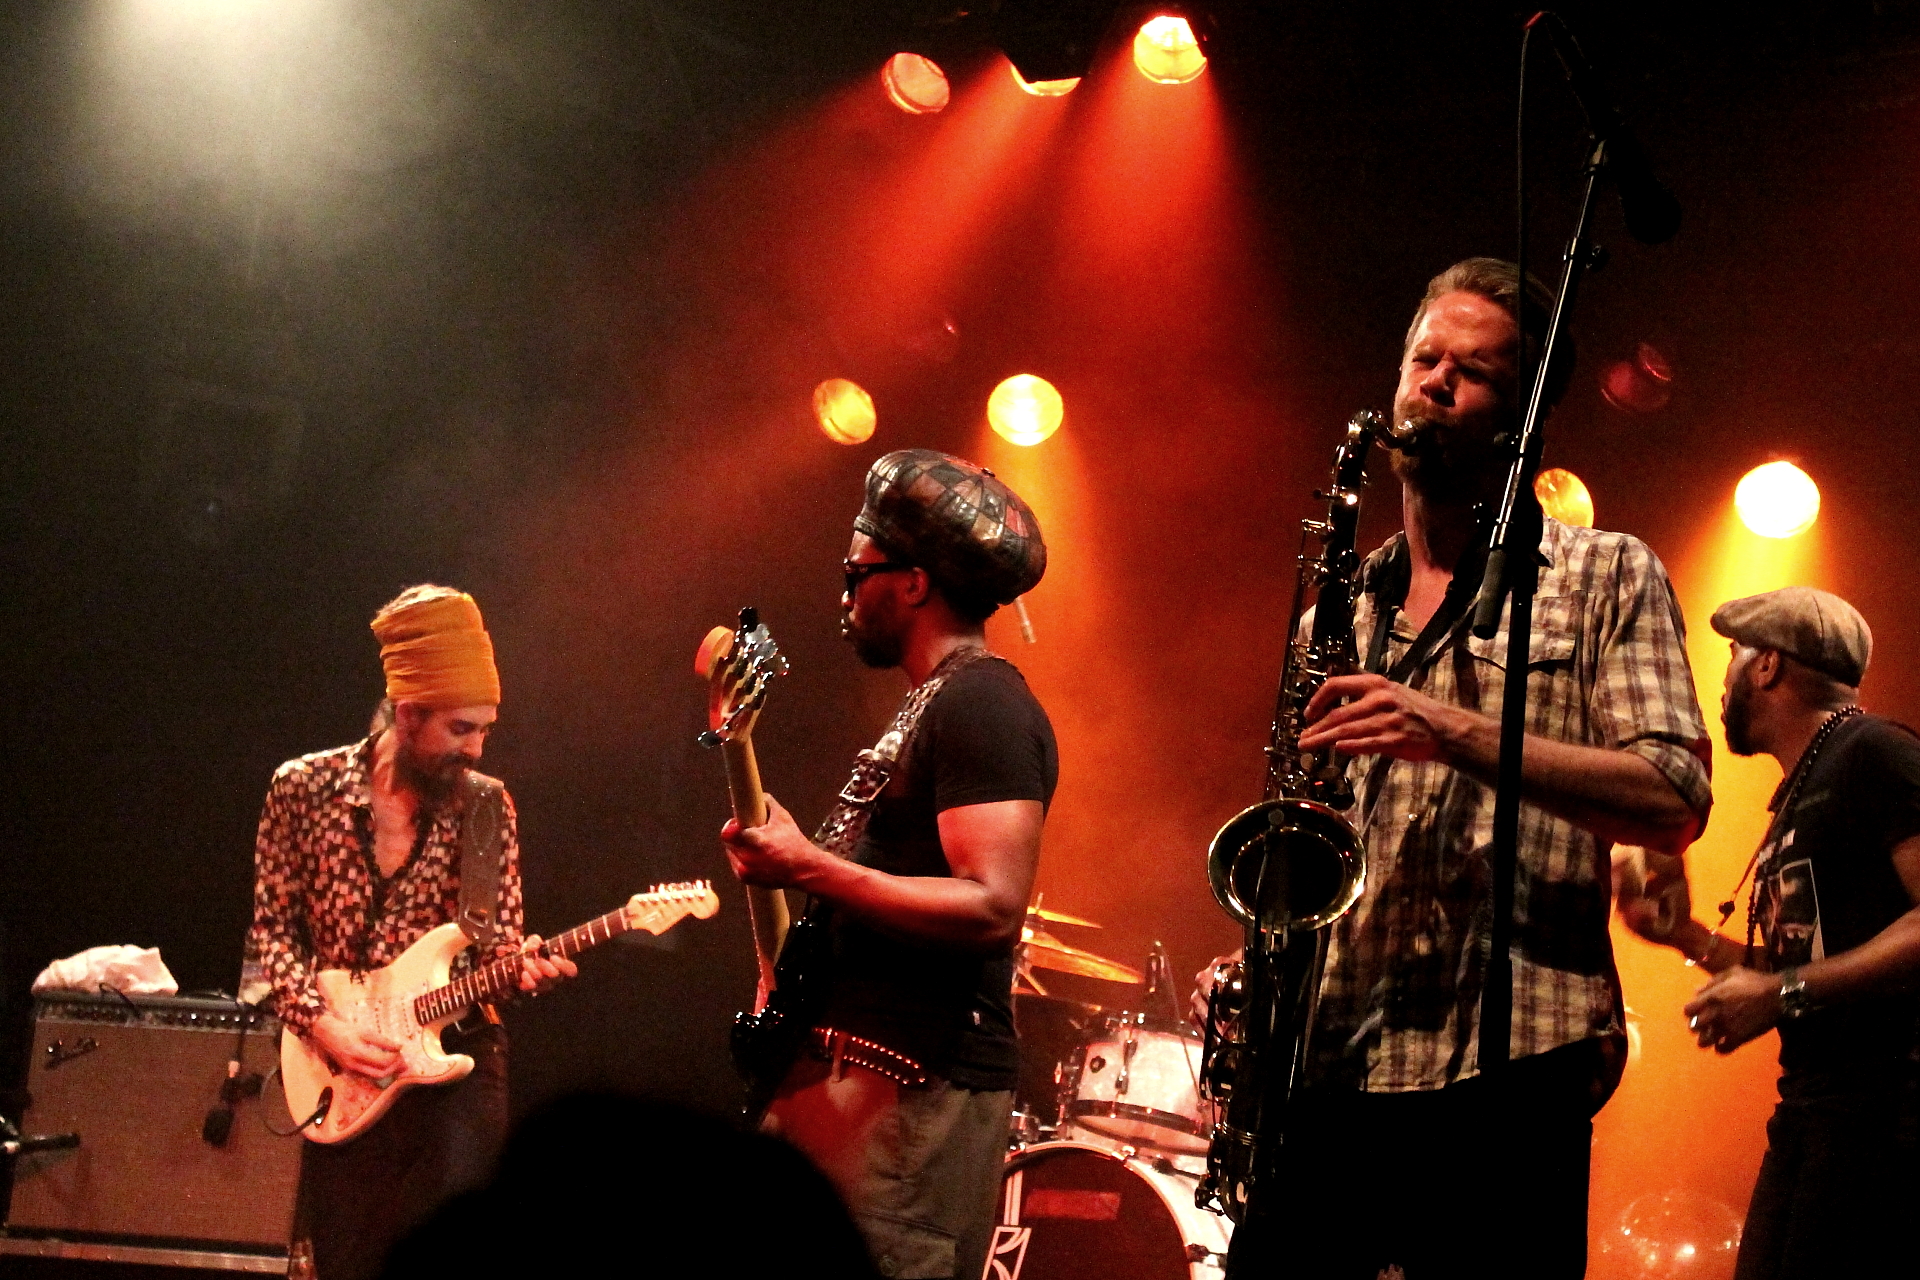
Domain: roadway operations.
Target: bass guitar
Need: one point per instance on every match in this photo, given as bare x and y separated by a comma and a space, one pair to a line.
410, 1000
738, 665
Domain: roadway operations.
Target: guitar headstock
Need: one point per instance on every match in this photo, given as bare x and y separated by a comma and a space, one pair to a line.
737, 665
665, 905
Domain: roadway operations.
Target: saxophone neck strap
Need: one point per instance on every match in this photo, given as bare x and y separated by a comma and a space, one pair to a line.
1391, 584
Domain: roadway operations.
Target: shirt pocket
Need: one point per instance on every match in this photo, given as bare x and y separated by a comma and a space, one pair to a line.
1553, 640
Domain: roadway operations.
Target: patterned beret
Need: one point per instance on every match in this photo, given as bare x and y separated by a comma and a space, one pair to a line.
958, 521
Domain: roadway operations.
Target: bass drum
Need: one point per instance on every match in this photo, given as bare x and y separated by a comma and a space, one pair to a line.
1071, 1211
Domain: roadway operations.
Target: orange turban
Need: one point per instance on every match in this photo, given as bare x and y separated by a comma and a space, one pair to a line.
438, 652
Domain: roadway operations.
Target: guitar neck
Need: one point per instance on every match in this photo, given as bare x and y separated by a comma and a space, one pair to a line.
766, 908
502, 976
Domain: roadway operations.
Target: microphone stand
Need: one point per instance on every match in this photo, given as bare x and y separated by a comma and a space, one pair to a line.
1513, 571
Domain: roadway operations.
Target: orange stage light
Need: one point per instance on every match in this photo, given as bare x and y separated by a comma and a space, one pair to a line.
1777, 500
1043, 88
1165, 51
1025, 409
1563, 495
845, 411
915, 84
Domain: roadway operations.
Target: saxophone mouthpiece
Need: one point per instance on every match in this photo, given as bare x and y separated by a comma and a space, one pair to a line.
1403, 436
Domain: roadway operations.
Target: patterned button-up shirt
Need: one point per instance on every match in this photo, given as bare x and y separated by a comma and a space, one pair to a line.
1607, 667
319, 902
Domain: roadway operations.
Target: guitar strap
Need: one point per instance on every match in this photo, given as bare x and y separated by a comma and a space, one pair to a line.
874, 767
483, 822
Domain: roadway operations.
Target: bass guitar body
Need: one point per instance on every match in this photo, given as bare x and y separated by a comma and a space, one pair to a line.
765, 1044
382, 1004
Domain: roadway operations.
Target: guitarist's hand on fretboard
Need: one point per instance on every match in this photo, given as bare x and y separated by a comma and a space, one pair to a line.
776, 855
541, 972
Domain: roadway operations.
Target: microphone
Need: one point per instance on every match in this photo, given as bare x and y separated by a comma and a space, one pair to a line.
1652, 212
239, 1084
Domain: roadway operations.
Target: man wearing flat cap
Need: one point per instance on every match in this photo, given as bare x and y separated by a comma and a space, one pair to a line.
918, 881
359, 853
1832, 952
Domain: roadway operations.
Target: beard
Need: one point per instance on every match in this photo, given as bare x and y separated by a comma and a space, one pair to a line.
1737, 716
433, 778
1447, 464
879, 650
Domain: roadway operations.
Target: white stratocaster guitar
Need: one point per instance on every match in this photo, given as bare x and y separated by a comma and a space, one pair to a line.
410, 1000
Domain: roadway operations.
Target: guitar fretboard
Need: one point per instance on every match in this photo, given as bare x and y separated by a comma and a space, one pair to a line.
499, 977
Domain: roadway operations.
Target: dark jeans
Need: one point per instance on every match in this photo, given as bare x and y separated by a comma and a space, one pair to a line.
358, 1198
1838, 1187
1470, 1180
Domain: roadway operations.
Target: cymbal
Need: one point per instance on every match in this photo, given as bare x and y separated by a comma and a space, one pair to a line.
1044, 951
1060, 917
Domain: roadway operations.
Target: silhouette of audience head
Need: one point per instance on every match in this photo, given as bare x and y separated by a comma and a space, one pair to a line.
603, 1179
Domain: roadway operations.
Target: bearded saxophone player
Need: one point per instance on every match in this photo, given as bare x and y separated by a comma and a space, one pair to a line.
1397, 1150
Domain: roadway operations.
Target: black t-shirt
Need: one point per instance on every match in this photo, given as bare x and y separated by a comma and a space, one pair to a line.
1826, 884
984, 739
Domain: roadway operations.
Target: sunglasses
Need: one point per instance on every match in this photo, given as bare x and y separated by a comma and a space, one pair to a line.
858, 571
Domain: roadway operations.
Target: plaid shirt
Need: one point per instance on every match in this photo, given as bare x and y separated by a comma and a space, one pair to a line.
319, 902
1400, 1004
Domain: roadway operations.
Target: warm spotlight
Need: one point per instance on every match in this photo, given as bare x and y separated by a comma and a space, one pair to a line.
915, 84
1563, 495
1777, 500
1025, 409
845, 411
1043, 88
1166, 52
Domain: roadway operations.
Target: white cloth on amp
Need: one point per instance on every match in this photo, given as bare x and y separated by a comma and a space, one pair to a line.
138, 971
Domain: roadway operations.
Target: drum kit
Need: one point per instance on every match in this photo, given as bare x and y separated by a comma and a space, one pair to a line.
1109, 1135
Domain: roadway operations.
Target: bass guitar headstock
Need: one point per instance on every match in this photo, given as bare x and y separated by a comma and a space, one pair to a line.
738, 666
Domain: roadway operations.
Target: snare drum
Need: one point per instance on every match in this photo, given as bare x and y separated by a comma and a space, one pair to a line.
1069, 1211
1140, 1087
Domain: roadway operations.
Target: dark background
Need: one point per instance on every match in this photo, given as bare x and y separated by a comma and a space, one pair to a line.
303, 303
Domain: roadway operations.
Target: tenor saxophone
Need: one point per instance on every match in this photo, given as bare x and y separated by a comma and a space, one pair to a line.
1289, 866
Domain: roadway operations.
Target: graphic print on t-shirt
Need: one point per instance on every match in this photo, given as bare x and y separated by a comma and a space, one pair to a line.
1789, 908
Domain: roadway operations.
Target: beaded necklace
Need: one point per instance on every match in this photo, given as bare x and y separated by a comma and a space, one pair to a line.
1785, 796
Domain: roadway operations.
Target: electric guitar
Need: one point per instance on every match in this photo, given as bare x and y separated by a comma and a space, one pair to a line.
410, 1000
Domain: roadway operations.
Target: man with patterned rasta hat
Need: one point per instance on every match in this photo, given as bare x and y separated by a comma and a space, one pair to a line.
903, 1092
1832, 952
359, 854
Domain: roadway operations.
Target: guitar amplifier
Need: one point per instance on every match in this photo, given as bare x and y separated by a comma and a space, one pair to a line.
135, 1077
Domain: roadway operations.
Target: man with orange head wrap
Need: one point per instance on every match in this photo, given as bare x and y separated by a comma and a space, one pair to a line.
358, 855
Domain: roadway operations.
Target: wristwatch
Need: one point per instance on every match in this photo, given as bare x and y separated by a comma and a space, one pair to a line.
1793, 993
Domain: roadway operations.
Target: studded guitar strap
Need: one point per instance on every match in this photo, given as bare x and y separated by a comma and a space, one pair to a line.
873, 767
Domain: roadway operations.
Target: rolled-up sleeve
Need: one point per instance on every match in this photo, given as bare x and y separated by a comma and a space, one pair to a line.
1643, 698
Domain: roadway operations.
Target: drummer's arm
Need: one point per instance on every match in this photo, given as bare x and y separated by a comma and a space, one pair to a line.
991, 849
